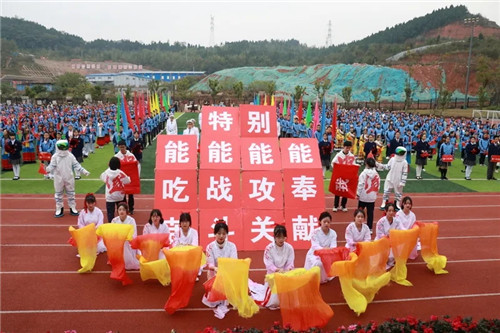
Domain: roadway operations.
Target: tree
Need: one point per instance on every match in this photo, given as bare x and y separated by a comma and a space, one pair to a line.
128, 92
346, 95
407, 95
444, 98
482, 97
238, 90
96, 93
215, 88
270, 88
153, 86
66, 84
376, 95
7, 90
299, 92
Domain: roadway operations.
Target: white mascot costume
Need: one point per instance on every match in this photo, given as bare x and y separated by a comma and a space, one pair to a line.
62, 165
396, 177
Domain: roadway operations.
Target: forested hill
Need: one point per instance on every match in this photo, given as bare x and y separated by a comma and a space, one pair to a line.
27, 37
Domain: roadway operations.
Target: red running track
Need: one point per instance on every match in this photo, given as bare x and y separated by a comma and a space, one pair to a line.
41, 291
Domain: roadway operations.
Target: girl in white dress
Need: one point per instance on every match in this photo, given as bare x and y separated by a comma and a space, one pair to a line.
385, 224
185, 235
129, 254
91, 214
321, 238
219, 248
279, 257
357, 231
408, 219
155, 225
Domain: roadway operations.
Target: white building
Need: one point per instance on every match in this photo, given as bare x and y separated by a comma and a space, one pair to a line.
118, 79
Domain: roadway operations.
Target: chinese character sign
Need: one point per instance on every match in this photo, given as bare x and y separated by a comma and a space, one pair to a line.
175, 190
260, 154
219, 153
220, 189
208, 218
220, 122
300, 223
176, 152
303, 188
300, 153
344, 180
258, 121
262, 189
258, 227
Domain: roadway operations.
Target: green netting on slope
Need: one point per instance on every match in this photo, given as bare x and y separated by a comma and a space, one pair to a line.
360, 77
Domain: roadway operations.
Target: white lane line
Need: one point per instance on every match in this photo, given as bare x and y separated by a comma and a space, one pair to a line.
394, 300
251, 269
339, 223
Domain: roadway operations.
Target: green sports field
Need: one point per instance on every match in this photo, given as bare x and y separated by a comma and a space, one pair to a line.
33, 182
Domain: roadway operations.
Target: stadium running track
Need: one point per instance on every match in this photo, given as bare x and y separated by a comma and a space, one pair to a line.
42, 292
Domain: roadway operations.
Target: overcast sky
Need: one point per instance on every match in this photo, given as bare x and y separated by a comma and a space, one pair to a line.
189, 21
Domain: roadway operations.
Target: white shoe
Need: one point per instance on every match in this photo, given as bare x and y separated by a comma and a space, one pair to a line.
344, 209
335, 209
78, 256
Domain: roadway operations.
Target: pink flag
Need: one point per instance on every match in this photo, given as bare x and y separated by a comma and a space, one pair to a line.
316, 116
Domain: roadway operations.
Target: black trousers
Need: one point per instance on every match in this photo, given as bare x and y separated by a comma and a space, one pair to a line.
370, 206
336, 202
111, 206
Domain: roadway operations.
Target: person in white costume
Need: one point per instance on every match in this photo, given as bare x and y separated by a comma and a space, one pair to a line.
357, 231
408, 219
129, 254
385, 224
61, 166
192, 130
396, 177
219, 248
172, 125
126, 156
321, 238
92, 214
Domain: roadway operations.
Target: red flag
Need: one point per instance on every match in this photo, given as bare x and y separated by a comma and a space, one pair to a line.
127, 113
334, 121
299, 112
41, 169
344, 180
131, 170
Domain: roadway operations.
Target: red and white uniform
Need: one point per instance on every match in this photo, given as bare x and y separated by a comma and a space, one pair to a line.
342, 158
115, 181
320, 240
353, 235
128, 157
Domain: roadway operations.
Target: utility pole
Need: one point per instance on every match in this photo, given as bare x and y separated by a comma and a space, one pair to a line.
212, 32
329, 36
472, 22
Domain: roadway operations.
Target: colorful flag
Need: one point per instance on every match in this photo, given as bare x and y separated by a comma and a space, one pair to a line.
130, 168
316, 116
128, 117
232, 281
428, 240
299, 112
323, 116
334, 122
284, 107
85, 239
118, 114
309, 115
402, 243
114, 236
301, 303
344, 181
272, 100
184, 262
